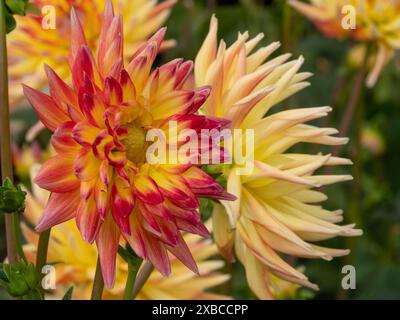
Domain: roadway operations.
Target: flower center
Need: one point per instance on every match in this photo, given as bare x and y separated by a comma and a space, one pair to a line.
135, 143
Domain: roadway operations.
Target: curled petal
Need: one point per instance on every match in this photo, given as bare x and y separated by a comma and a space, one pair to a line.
57, 175
93, 109
122, 204
146, 190
196, 177
60, 208
63, 142
84, 133
86, 165
88, 220
113, 91
101, 196
168, 187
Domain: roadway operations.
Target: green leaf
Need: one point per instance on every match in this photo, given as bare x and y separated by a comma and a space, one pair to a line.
3, 276
206, 209
17, 6
10, 22
32, 9
68, 294
19, 280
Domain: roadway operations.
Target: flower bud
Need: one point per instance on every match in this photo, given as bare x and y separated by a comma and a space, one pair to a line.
21, 279
12, 198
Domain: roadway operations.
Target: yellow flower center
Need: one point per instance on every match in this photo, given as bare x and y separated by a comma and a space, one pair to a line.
135, 143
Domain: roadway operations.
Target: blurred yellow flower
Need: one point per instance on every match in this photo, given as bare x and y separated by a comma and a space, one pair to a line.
277, 208
31, 46
373, 141
24, 157
377, 21
76, 260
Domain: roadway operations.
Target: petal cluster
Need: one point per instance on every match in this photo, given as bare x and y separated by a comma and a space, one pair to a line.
99, 175
76, 260
376, 21
44, 38
278, 210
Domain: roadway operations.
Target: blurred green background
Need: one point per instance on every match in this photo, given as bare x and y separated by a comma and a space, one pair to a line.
375, 255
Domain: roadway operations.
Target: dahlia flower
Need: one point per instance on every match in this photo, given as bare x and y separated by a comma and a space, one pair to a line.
76, 260
100, 175
277, 210
377, 21
31, 45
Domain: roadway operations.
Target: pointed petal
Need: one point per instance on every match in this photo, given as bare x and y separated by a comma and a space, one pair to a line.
88, 220
47, 110
107, 244
182, 252
57, 175
60, 208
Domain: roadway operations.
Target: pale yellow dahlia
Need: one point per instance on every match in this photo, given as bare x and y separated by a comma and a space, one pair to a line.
278, 208
76, 262
31, 45
377, 21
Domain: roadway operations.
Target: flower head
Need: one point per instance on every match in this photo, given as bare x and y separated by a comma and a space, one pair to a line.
100, 175
277, 210
36, 41
77, 259
376, 21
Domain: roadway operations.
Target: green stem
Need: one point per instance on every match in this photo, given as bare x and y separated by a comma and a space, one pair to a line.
357, 103
132, 273
357, 167
354, 99
18, 236
355, 112
287, 26
5, 148
142, 277
41, 256
98, 284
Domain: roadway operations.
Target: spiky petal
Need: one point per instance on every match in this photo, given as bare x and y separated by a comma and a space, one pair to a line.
277, 210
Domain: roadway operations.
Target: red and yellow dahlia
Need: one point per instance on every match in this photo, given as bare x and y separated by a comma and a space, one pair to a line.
31, 45
278, 210
100, 175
